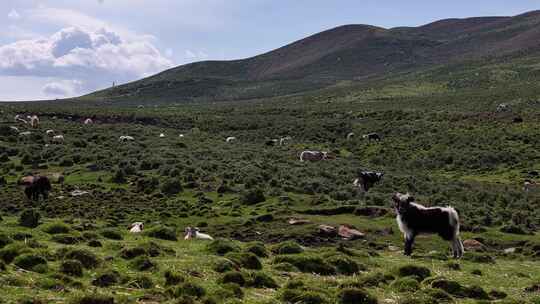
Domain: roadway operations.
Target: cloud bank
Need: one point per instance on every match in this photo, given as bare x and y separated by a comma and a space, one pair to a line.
83, 59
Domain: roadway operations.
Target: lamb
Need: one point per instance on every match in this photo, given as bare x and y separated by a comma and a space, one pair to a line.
126, 138
136, 227
284, 140
414, 219
58, 139
350, 136
230, 139
49, 132
193, 232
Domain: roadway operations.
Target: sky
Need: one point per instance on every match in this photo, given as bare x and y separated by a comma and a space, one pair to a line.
64, 48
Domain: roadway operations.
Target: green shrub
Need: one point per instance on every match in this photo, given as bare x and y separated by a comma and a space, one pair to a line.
344, 265
171, 187
306, 263
141, 282
406, 284
233, 277
253, 197
172, 278
355, 296
142, 263
261, 280
245, 259
451, 287
482, 258
288, 247
106, 279
229, 291
4, 240
72, 268
112, 234
286, 267
222, 247
223, 265
258, 249
56, 228
31, 262
420, 272
94, 299
188, 289
304, 297
29, 218
88, 259
163, 233
375, 279
66, 239
11, 251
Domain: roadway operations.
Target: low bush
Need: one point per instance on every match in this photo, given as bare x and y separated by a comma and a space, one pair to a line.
222, 247
355, 296
288, 247
420, 272
29, 218
163, 233
31, 262
87, 258
261, 280
233, 277
112, 234
72, 268
307, 263
245, 259
406, 284
172, 278
106, 279
142, 263
56, 228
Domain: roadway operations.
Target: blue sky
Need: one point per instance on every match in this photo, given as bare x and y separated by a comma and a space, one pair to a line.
62, 48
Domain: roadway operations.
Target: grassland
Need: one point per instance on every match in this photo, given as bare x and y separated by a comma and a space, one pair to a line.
442, 141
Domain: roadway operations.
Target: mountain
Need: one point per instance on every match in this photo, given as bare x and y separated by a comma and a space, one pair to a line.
350, 52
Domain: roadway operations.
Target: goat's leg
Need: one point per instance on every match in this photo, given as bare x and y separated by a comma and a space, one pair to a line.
409, 241
457, 247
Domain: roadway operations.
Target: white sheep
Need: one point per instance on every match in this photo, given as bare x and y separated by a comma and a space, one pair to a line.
194, 232
136, 227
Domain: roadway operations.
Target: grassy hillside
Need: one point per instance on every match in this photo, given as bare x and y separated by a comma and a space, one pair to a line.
443, 141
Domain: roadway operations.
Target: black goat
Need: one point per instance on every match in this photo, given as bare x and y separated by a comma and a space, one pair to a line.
367, 179
414, 219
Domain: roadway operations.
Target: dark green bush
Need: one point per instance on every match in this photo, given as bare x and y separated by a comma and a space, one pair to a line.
223, 265
307, 263
172, 278
94, 299
245, 259
222, 247
142, 263
171, 187
420, 272
406, 284
253, 197
29, 218
31, 262
344, 265
66, 239
106, 279
355, 296
261, 280
141, 282
288, 247
88, 259
56, 228
163, 233
233, 277
4, 240
112, 234
258, 249
72, 268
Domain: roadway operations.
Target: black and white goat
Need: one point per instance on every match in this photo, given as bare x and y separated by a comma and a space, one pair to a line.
414, 219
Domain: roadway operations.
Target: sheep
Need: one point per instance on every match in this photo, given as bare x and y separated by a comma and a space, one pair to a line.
88, 121
372, 136
19, 118
350, 136
284, 140
161, 135
414, 219
136, 227
125, 138
193, 232
530, 185
230, 139
313, 155
367, 179
503, 107
49, 132
34, 121
181, 136
14, 129
58, 139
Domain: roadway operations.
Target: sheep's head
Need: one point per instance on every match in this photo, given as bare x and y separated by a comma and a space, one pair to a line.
402, 201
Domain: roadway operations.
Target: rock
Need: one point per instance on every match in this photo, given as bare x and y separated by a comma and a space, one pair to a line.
510, 250
79, 193
294, 221
327, 231
473, 245
349, 233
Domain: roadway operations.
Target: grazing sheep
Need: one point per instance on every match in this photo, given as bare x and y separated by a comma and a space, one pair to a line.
49, 132
313, 155
34, 121
414, 219
372, 136
24, 134
88, 121
530, 185
271, 142
367, 179
230, 139
161, 135
193, 232
58, 139
14, 129
284, 140
503, 107
19, 118
126, 138
350, 136
136, 227
181, 136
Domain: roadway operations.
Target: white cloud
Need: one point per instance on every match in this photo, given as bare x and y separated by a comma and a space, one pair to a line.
64, 88
14, 15
95, 57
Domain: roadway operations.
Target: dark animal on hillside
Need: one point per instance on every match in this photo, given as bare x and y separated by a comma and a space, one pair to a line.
414, 219
367, 179
313, 155
372, 136
271, 142
39, 185
533, 173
